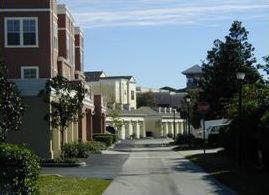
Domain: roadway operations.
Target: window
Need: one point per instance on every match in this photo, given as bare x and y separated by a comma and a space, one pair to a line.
132, 95
21, 32
13, 32
29, 72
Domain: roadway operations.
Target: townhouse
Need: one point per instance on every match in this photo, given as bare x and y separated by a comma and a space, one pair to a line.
120, 94
39, 40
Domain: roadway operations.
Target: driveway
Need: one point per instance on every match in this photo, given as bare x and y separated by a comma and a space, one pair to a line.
158, 170
106, 166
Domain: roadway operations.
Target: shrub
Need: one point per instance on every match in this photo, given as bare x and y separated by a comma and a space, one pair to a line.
19, 170
213, 138
75, 150
70, 150
170, 135
95, 146
185, 139
83, 150
105, 138
114, 136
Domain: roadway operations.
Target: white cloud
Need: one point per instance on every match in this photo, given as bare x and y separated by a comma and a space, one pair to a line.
102, 13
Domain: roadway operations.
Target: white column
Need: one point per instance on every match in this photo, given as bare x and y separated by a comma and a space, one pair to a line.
130, 129
122, 132
142, 129
137, 128
162, 129
177, 128
182, 128
166, 129
171, 129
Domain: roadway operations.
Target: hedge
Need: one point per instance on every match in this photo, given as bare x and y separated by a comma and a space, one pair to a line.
114, 136
105, 138
19, 170
75, 150
95, 146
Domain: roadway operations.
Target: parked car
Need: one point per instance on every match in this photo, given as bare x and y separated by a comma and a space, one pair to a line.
215, 129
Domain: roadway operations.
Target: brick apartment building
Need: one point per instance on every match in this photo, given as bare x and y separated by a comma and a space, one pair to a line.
38, 41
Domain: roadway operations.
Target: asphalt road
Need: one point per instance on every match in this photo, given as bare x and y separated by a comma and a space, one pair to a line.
106, 166
152, 169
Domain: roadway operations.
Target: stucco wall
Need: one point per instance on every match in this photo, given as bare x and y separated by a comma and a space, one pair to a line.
35, 132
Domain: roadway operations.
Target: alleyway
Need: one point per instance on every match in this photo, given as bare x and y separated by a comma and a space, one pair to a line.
153, 169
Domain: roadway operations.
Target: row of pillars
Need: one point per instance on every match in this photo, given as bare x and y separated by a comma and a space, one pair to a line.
168, 128
132, 129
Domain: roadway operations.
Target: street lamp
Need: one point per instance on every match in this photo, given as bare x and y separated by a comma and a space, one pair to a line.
240, 75
188, 100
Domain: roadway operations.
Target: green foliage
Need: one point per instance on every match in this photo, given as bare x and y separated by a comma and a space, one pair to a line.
184, 139
56, 185
66, 100
254, 123
82, 149
223, 60
115, 118
145, 99
107, 139
12, 107
114, 136
96, 147
18, 171
75, 150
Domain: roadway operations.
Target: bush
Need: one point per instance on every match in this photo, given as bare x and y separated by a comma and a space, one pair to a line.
185, 139
75, 150
95, 146
19, 170
170, 135
105, 138
70, 150
114, 136
213, 138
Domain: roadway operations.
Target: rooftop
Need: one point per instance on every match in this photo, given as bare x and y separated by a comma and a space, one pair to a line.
193, 70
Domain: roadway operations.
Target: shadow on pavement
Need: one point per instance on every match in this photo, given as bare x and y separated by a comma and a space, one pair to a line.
187, 166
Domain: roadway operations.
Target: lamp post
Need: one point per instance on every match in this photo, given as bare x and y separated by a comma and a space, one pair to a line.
240, 75
188, 100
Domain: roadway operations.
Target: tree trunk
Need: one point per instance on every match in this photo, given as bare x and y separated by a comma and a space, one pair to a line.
62, 137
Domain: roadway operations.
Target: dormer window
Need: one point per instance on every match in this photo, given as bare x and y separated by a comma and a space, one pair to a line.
21, 32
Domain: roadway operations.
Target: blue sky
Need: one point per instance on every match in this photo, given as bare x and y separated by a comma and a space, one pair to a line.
155, 40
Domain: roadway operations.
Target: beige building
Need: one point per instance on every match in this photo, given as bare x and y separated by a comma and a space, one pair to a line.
118, 91
133, 124
161, 122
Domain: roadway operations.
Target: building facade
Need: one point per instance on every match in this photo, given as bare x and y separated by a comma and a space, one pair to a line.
40, 41
118, 91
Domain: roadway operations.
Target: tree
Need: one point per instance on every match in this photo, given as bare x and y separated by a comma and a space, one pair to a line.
12, 107
66, 100
115, 118
223, 60
145, 99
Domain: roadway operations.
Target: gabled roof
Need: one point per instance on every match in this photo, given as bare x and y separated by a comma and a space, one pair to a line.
193, 70
94, 75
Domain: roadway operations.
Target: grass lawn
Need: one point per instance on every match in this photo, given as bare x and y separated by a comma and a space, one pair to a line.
244, 180
55, 185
